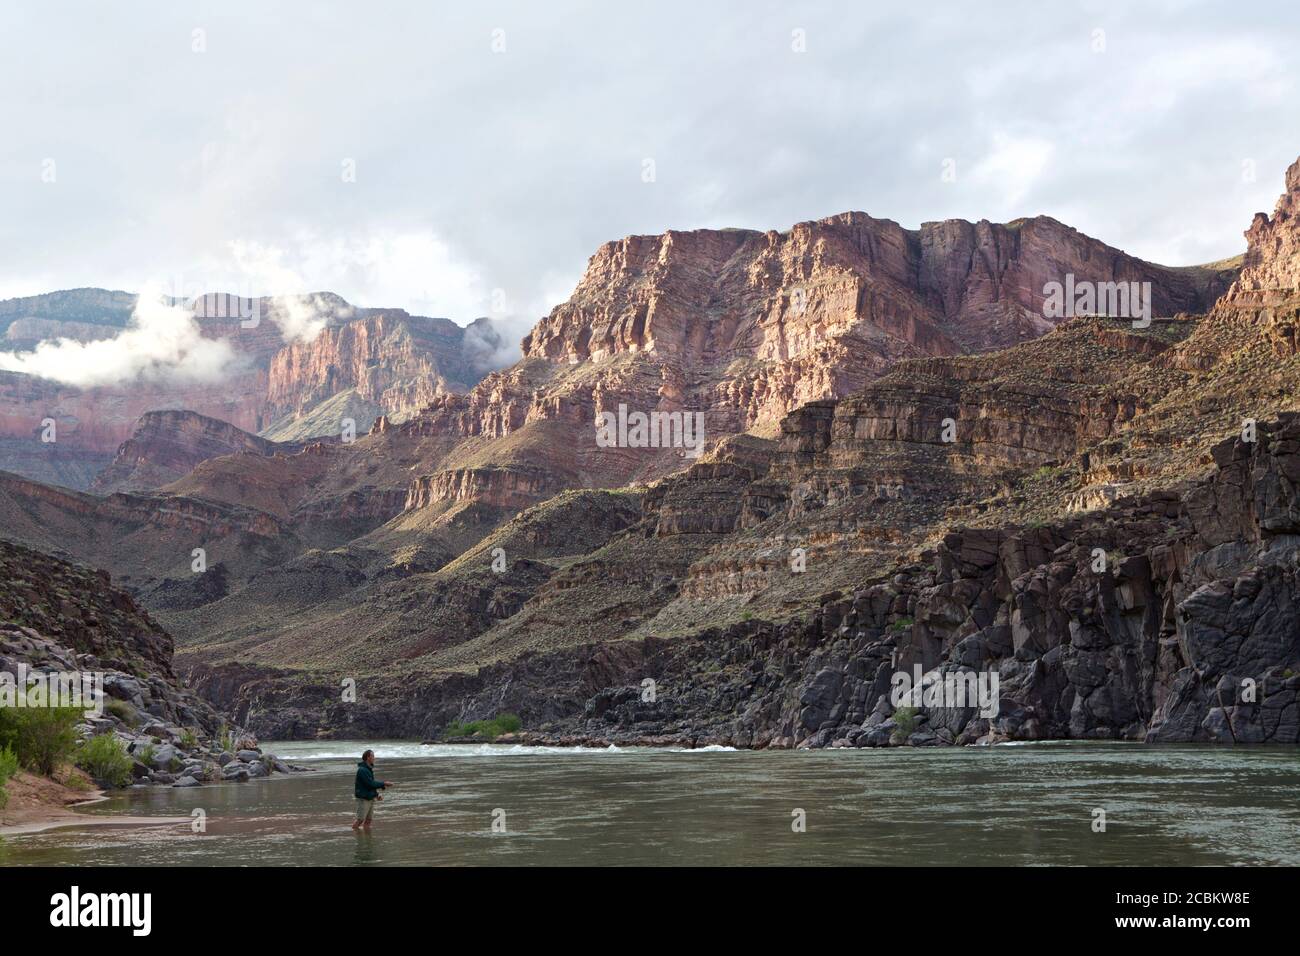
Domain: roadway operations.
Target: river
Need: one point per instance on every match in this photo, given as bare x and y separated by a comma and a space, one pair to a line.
1006, 805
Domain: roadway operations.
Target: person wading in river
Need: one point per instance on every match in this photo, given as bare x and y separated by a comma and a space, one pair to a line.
366, 791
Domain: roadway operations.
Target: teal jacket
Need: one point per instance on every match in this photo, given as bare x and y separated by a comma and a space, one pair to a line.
367, 787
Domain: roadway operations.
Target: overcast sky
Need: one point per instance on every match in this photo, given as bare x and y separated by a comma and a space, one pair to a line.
495, 145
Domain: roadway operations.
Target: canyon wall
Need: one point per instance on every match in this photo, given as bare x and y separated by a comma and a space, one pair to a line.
389, 358
1186, 633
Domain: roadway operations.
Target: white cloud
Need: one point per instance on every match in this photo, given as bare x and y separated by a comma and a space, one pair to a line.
421, 269
1013, 167
478, 171
414, 270
161, 343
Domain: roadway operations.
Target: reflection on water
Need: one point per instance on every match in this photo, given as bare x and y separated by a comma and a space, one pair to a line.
1013, 805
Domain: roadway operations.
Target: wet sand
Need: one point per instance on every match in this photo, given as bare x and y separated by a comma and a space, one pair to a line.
37, 804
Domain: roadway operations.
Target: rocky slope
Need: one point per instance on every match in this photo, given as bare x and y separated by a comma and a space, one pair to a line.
145, 539
327, 419
59, 618
1187, 633
1169, 617
78, 608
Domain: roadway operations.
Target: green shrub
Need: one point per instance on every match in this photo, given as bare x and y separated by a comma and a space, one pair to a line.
509, 723
146, 754
491, 729
123, 712
8, 767
904, 723
227, 739
44, 738
189, 740
105, 759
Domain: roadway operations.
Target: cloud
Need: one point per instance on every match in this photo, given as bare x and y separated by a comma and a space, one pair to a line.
162, 343
411, 269
300, 314
1013, 167
477, 171
487, 349
301, 317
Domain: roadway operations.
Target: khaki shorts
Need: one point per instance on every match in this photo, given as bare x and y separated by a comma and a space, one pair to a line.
365, 809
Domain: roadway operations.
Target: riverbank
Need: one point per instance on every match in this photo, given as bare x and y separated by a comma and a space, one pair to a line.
39, 803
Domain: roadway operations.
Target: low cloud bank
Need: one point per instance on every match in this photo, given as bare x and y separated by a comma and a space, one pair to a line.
162, 343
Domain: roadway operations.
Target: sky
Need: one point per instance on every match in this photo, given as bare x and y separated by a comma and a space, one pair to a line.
466, 159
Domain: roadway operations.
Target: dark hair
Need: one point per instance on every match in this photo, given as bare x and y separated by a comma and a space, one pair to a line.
368, 753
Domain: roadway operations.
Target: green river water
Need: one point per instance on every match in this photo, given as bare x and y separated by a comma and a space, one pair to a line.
1006, 805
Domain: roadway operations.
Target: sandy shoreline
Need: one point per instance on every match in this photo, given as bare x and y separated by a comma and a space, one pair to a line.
68, 819
37, 804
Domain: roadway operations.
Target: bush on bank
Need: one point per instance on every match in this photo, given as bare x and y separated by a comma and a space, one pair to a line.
42, 738
106, 760
8, 767
491, 729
